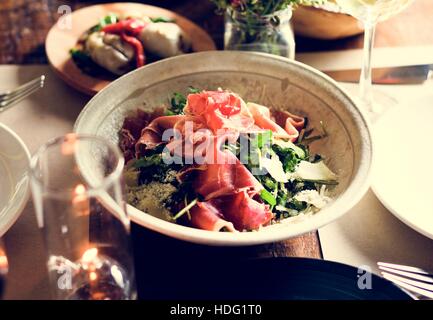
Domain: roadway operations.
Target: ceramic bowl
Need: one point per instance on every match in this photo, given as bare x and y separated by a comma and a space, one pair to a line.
14, 181
270, 80
324, 24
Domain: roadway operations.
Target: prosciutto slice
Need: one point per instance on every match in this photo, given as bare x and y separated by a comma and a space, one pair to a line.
151, 134
244, 211
284, 125
220, 110
131, 130
288, 120
228, 189
226, 176
204, 215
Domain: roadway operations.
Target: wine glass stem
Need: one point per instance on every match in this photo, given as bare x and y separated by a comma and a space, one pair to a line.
365, 82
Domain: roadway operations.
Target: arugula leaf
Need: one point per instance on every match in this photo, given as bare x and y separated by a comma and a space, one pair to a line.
145, 162
178, 102
268, 197
288, 157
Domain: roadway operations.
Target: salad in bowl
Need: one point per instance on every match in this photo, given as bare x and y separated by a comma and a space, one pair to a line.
233, 148
212, 161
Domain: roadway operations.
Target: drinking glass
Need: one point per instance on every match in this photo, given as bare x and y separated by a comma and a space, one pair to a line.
79, 202
370, 12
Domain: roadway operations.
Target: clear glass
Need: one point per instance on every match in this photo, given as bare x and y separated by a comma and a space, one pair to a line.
370, 12
79, 202
271, 34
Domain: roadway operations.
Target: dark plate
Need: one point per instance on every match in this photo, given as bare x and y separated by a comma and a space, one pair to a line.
264, 279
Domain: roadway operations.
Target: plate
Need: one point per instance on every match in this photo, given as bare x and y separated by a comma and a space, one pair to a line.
403, 170
265, 279
262, 78
325, 23
65, 33
14, 181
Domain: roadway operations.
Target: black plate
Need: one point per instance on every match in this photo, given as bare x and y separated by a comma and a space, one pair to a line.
265, 279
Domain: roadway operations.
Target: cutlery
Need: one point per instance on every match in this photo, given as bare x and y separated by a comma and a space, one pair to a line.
415, 74
413, 279
11, 97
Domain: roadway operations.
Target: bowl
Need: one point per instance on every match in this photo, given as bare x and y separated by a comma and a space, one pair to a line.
14, 181
325, 23
263, 78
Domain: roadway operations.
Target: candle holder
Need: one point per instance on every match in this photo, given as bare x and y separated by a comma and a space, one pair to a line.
79, 203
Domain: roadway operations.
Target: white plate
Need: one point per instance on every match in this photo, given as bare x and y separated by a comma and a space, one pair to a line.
14, 181
403, 169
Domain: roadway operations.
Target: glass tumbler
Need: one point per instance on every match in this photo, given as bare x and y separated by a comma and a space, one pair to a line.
79, 203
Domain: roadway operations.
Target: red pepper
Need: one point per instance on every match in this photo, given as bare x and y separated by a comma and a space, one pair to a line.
138, 48
129, 29
130, 26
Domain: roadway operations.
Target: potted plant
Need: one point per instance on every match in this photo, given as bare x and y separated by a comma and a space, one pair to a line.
255, 25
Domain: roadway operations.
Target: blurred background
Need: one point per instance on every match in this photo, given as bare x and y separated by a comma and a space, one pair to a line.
25, 23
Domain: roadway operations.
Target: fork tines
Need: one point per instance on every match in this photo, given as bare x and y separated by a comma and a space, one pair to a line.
11, 97
411, 278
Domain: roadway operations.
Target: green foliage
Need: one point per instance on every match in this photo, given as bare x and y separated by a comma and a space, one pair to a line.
178, 102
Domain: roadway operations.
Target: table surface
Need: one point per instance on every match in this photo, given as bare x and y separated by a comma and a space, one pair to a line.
23, 27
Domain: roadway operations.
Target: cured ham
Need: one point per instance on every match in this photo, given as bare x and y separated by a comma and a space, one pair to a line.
204, 215
226, 176
220, 110
131, 130
227, 196
151, 135
284, 125
244, 211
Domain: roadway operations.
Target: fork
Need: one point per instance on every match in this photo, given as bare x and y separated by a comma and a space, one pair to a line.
412, 279
11, 97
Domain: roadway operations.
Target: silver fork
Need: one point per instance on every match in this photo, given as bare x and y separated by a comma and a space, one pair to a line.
11, 97
412, 279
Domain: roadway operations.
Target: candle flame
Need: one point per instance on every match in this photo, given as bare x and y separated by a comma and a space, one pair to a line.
80, 200
93, 276
80, 189
89, 255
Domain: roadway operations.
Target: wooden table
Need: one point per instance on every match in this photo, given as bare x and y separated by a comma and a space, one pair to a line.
23, 27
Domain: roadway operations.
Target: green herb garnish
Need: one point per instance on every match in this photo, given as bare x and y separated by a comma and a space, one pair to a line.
268, 197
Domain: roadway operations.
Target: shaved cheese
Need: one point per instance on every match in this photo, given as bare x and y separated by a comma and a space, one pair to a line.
274, 167
313, 197
314, 172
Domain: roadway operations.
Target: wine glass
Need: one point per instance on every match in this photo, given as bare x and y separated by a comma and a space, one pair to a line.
370, 12
77, 190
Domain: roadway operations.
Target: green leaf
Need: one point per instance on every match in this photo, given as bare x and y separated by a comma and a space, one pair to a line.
177, 103
268, 197
108, 19
161, 19
145, 162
